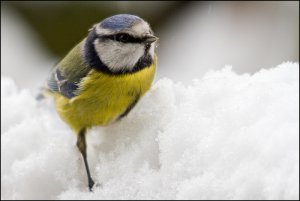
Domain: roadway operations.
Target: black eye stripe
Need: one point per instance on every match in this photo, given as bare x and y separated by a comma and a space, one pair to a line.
122, 37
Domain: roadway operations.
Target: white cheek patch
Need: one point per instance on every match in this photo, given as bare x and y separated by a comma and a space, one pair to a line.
152, 50
119, 56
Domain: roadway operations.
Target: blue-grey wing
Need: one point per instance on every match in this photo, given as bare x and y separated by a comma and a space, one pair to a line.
59, 83
68, 73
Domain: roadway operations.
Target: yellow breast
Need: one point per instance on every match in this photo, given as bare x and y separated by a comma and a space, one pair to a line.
102, 98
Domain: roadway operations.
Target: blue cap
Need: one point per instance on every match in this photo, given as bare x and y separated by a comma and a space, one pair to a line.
120, 21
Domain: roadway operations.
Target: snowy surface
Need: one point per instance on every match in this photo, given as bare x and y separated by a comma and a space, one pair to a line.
226, 136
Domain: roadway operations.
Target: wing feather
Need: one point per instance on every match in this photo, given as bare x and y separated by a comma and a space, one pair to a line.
66, 76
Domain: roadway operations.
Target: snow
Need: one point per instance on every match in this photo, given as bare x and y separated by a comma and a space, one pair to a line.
226, 136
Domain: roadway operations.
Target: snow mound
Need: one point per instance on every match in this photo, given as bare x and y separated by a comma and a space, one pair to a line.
226, 136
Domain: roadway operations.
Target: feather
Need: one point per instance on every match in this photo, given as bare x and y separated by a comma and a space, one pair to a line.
66, 76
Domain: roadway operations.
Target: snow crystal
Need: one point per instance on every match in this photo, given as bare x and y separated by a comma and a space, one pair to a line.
226, 136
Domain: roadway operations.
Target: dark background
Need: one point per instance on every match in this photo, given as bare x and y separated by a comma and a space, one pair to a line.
62, 24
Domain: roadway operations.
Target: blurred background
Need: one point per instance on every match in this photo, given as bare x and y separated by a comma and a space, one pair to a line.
195, 37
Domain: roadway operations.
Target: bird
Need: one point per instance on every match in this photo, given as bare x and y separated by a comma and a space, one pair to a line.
103, 77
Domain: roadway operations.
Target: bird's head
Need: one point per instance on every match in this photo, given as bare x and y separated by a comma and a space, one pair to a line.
121, 42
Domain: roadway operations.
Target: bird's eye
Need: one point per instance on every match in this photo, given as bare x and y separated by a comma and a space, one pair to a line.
123, 38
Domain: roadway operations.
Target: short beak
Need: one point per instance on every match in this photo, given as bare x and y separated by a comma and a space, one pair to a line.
148, 39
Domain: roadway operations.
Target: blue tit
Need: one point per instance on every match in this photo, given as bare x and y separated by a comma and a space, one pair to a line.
103, 77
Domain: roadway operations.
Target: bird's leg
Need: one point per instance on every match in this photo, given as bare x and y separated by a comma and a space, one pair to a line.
81, 144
